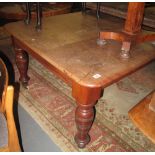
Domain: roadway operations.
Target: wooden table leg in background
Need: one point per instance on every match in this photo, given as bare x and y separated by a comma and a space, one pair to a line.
86, 99
131, 34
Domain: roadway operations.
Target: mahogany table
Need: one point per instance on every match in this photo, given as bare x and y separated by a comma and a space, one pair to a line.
67, 46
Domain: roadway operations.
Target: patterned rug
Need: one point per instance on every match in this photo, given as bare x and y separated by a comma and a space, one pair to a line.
48, 100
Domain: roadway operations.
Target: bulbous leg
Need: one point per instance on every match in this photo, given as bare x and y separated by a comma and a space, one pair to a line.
84, 117
22, 65
86, 98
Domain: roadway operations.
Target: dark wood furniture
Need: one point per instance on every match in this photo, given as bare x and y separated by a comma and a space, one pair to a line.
131, 33
143, 116
120, 10
38, 14
67, 46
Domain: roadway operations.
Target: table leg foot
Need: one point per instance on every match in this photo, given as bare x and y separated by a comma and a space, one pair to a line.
82, 143
101, 42
84, 117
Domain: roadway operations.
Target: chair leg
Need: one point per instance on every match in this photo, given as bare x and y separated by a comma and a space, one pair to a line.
86, 99
83, 7
98, 10
38, 10
28, 13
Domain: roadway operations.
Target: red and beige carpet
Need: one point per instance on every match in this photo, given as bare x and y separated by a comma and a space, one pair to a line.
48, 100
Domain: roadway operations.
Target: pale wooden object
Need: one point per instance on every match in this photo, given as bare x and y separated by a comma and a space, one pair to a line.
6, 107
144, 118
152, 103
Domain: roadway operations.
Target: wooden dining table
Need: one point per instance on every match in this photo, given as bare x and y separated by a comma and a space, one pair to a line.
68, 46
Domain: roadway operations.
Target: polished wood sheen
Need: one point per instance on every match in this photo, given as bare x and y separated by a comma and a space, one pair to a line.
143, 116
22, 63
67, 45
152, 103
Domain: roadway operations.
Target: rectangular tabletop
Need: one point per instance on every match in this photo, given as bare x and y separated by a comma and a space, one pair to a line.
67, 43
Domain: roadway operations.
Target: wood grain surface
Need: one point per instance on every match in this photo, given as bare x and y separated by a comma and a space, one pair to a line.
144, 118
68, 43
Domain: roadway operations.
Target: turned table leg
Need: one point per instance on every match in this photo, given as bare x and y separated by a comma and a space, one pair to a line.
22, 64
84, 115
